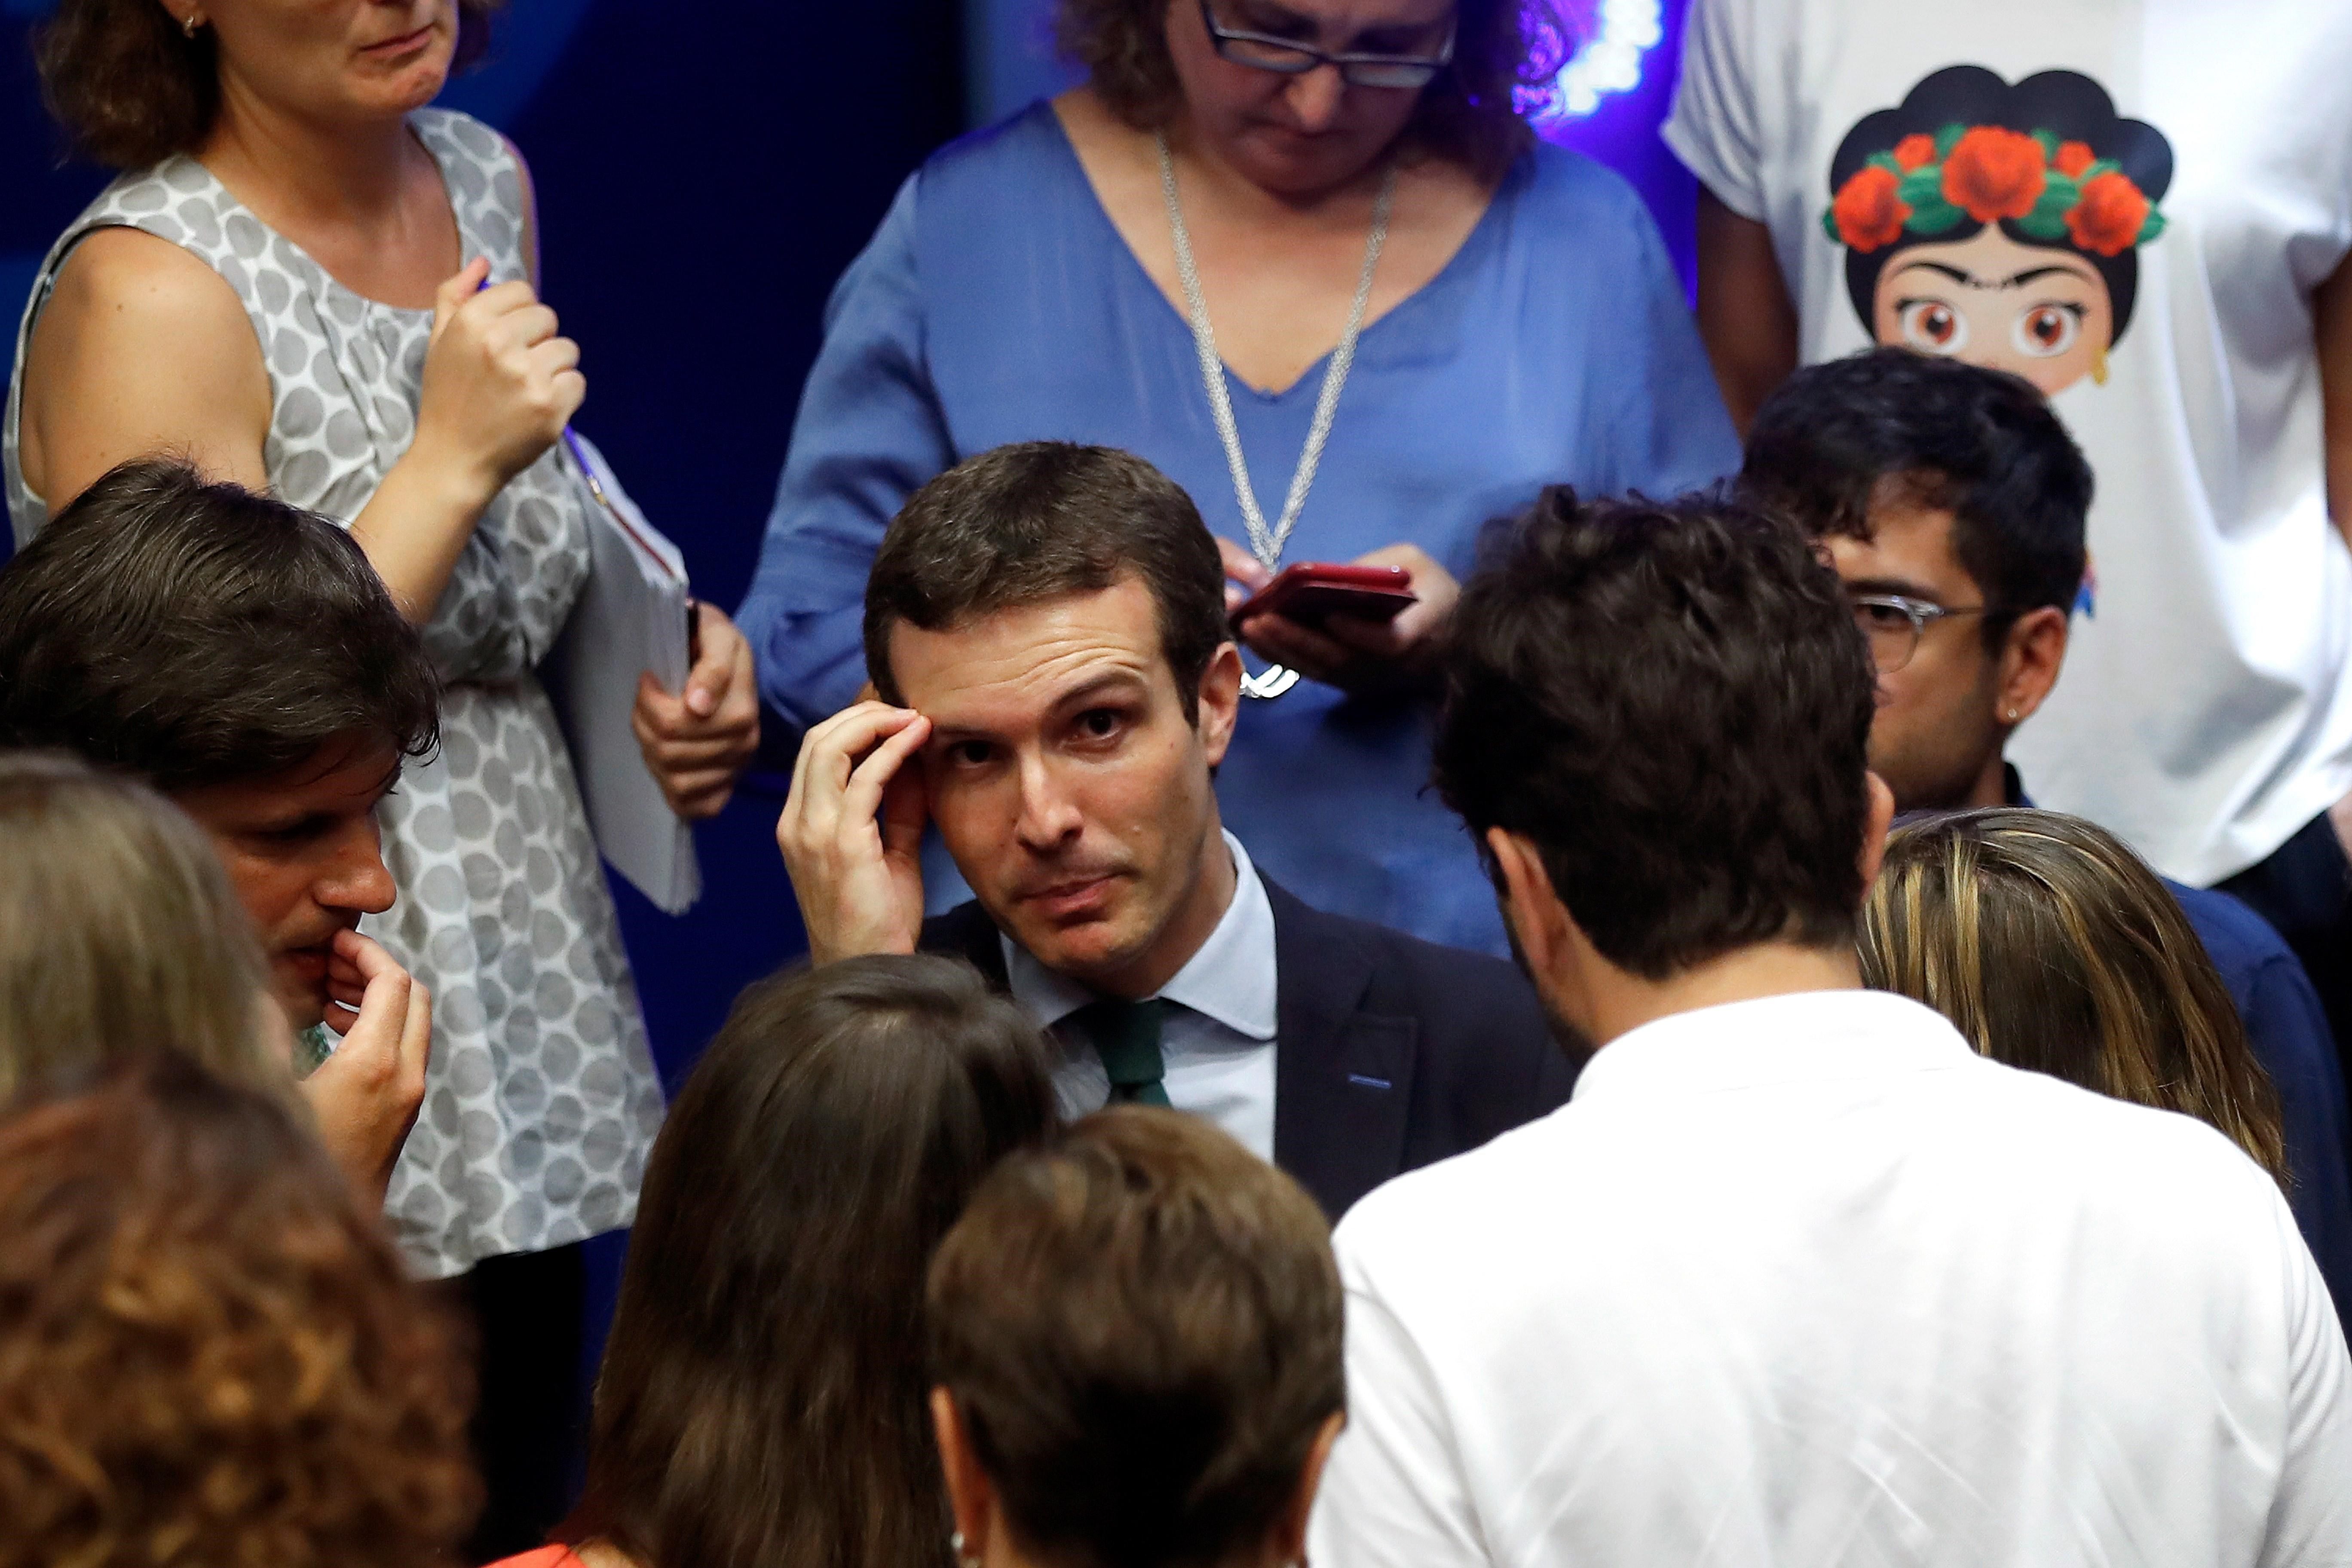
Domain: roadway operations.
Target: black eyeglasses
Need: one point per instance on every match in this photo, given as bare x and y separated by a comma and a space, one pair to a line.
1263, 52
1894, 623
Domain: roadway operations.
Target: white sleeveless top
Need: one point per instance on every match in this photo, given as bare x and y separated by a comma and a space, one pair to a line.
542, 1101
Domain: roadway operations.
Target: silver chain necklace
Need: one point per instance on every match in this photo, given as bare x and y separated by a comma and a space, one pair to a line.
1266, 544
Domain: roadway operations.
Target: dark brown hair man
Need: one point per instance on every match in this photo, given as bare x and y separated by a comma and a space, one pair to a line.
1045, 624
1135, 1353
241, 656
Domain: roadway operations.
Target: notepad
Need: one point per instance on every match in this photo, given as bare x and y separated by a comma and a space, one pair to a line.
630, 617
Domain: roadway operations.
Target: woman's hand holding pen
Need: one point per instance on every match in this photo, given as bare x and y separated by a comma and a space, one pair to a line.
699, 741
499, 384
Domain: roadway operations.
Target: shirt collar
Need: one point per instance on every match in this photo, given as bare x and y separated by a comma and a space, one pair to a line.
1230, 979
1808, 1034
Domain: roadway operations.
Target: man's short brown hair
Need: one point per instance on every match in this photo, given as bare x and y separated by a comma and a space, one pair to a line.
188, 632
1038, 520
1141, 1328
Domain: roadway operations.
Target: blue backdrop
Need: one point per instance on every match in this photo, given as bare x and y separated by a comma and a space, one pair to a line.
700, 187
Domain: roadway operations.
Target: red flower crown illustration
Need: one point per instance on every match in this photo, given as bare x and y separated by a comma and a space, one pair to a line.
2053, 191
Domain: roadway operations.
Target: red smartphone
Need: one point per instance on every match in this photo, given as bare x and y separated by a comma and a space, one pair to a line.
1313, 591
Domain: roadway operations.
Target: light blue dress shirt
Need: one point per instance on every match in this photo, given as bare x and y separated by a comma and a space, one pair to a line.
997, 303
1218, 1036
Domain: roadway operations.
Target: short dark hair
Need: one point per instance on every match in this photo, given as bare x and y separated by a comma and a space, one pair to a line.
1980, 444
130, 89
1141, 1331
1505, 52
1042, 519
190, 632
763, 1397
1672, 703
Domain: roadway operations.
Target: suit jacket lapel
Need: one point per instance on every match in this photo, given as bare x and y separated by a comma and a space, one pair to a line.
1343, 1076
965, 931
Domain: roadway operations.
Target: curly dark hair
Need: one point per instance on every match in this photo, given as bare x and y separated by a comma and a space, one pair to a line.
1470, 114
208, 1352
130, 89
1672, 703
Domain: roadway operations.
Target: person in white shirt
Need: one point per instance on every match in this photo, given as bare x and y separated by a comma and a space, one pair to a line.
1796, 1276
2146, 210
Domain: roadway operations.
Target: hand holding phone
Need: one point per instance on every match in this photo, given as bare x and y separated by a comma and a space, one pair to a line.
1312, 592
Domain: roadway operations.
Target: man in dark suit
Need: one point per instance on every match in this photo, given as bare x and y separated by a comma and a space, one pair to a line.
1046, 626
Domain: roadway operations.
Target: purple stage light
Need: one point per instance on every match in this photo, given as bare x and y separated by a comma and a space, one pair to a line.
1617, 37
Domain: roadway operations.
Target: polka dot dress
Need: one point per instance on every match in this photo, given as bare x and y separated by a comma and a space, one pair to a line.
542, 1100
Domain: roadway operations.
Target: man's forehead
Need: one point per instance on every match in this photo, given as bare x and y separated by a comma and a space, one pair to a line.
341, 773
1035, 649
1908, 537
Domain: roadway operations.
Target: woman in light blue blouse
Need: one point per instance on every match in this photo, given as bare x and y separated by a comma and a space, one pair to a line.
1303, 256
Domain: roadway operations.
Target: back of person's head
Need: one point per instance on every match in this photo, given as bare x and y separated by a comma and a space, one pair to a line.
1137, 1339
209, 1354
762, 1392
2052, 946
1891, 427
190, 632
1672, 704
1039, 521
118, 928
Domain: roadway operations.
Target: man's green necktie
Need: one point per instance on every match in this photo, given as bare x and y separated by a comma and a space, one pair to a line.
1125, 1034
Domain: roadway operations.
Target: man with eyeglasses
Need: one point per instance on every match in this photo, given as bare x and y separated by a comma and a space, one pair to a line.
1952, 502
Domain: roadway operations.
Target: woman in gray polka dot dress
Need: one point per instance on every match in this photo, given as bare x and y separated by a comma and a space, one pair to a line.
311, 282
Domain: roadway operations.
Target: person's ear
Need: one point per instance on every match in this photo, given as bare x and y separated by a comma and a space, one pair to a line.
1289, 1543
971, 1498
1220, 701
2031, 656
1878, 819
1538, 921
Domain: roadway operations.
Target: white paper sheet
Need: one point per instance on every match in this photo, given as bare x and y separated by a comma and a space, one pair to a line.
630, 617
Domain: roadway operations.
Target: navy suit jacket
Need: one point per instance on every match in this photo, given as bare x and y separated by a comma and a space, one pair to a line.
1391, 1052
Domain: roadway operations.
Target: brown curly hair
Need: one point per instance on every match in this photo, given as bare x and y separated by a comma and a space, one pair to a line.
1470, 114
209, 1355
131, 89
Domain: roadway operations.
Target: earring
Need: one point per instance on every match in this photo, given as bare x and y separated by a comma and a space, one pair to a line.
189, 24
955, 1544
2099, 367
2012, 715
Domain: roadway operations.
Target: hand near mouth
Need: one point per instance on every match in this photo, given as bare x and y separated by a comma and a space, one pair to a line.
366, 1095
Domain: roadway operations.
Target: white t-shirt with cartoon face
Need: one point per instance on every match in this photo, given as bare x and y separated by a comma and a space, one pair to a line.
2129, 205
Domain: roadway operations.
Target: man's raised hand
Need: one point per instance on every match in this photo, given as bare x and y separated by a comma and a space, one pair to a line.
852, 832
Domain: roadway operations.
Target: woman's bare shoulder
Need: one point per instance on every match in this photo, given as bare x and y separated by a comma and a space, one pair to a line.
141, 346
123, 279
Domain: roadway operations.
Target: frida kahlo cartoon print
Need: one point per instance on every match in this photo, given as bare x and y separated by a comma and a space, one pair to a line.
1999, 224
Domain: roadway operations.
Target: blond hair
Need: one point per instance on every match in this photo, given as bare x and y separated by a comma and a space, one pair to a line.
120, 932
2052, 946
